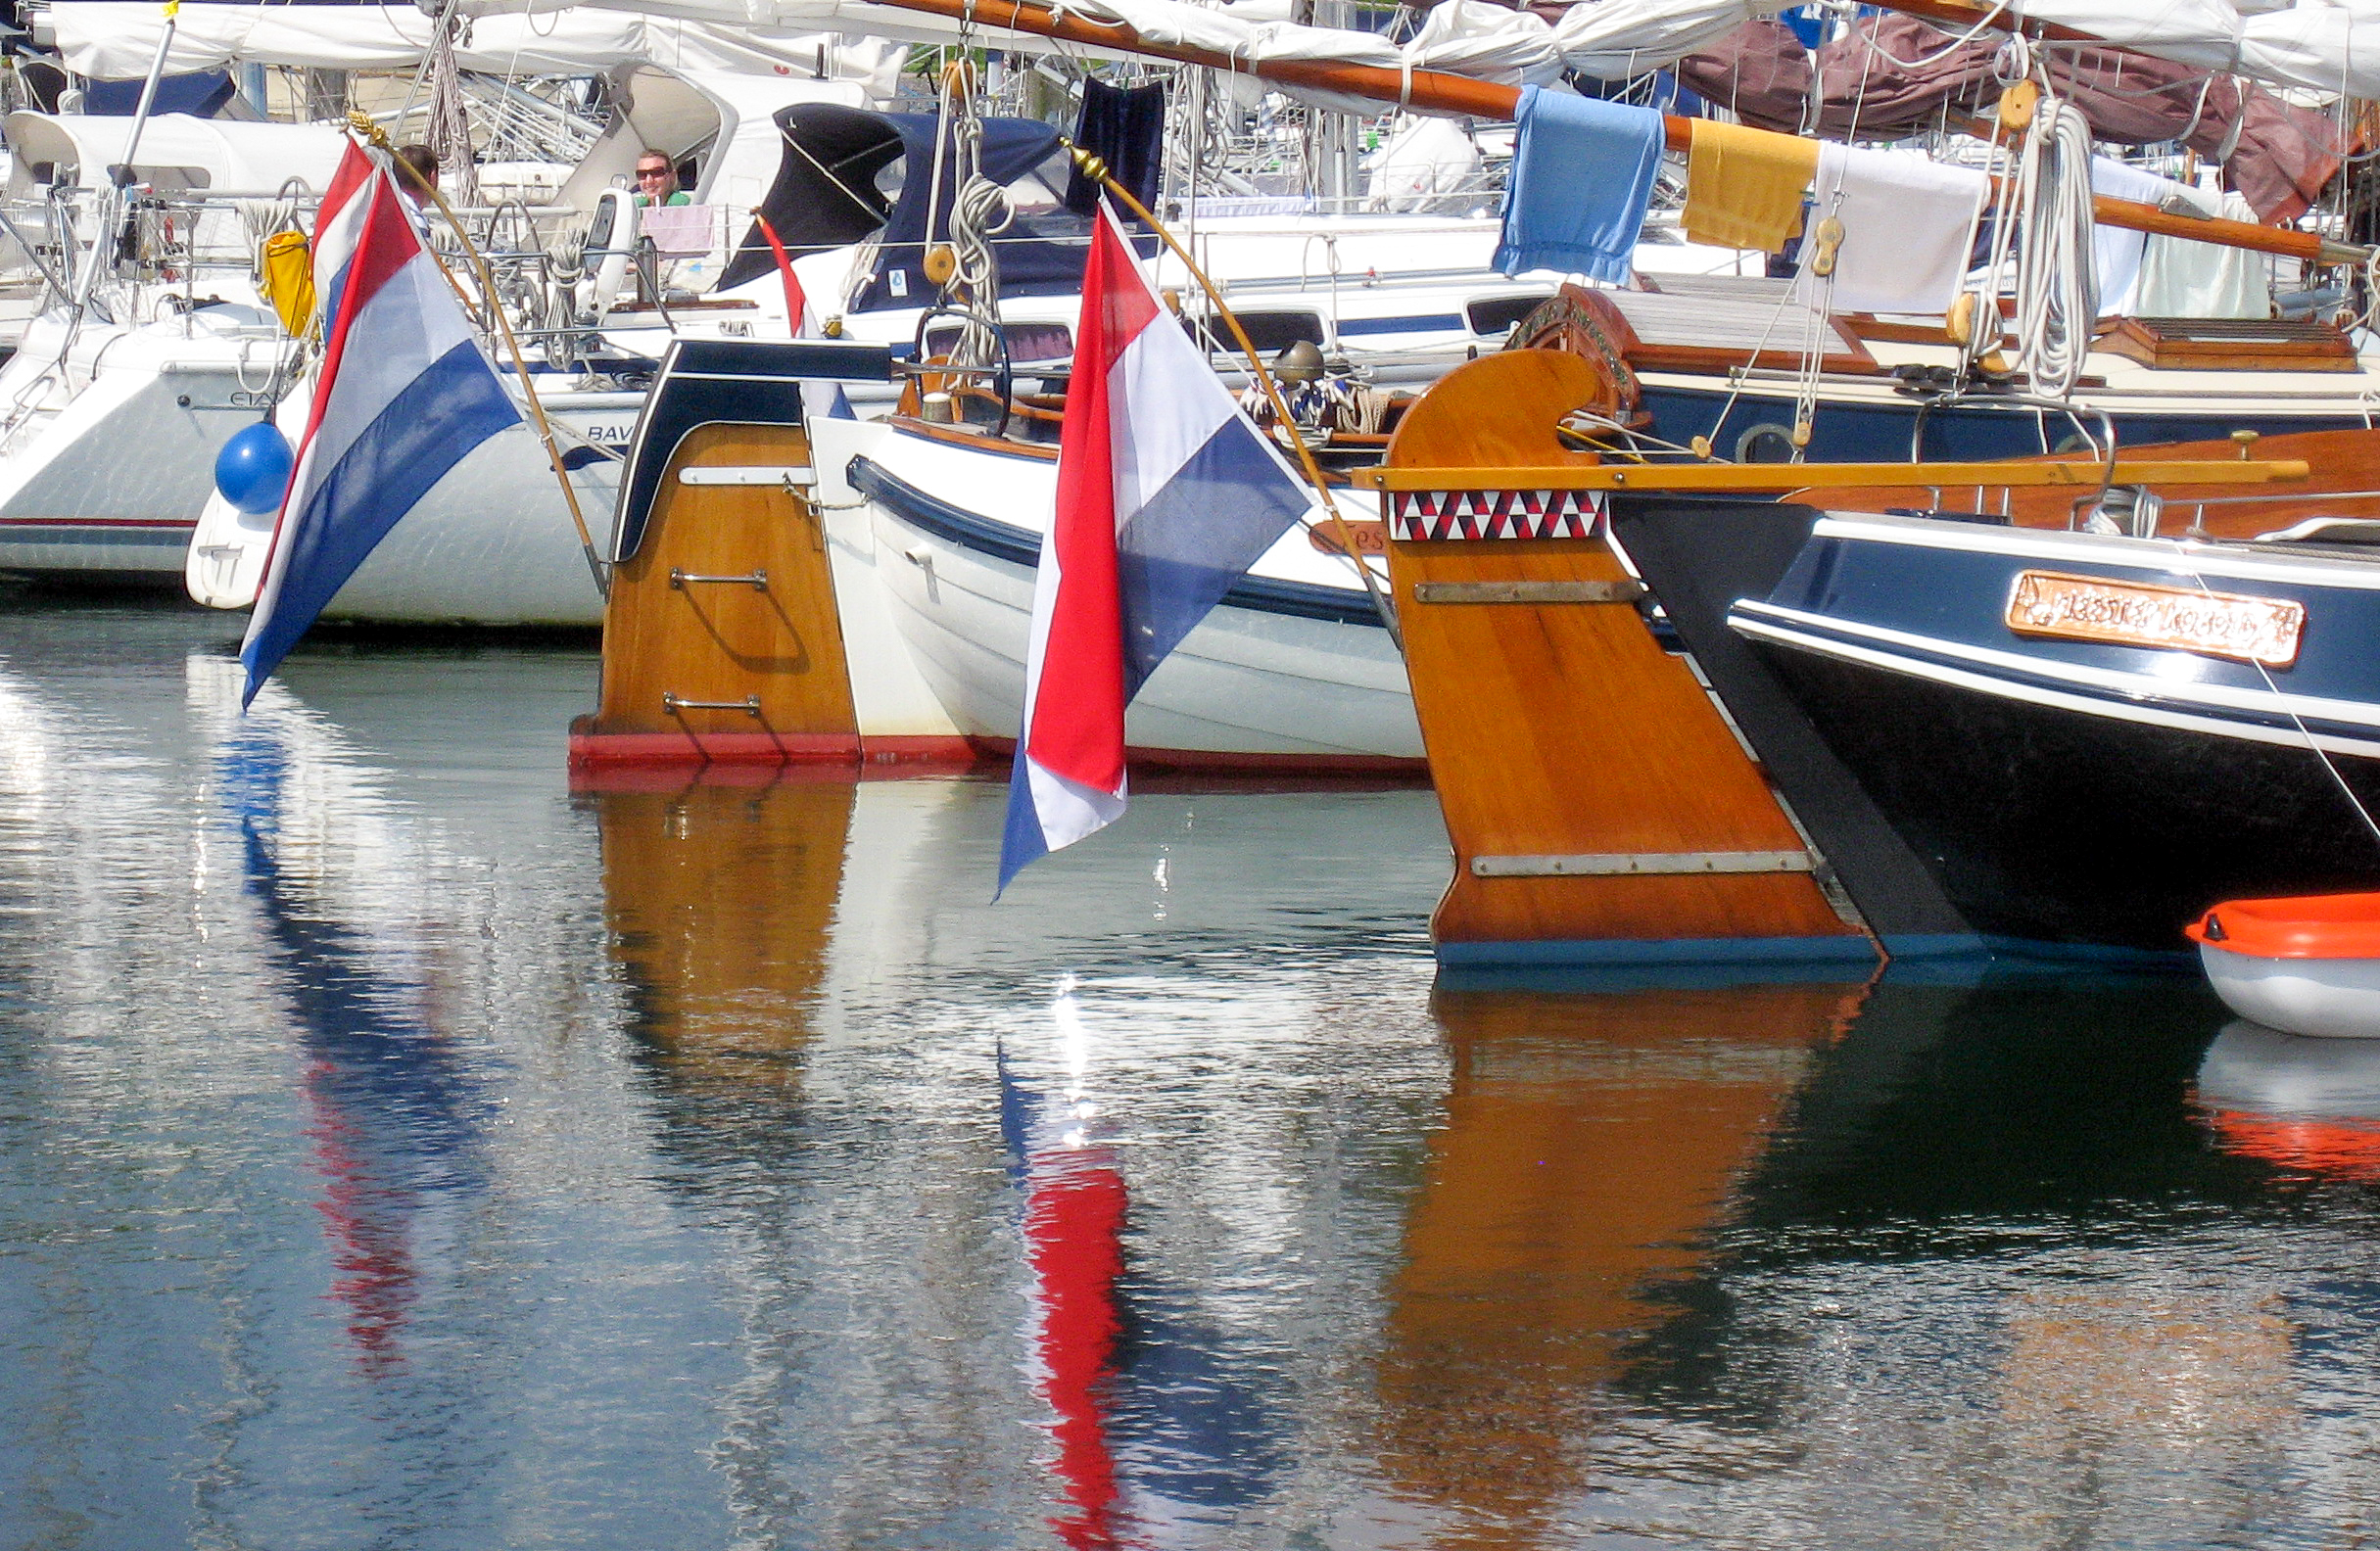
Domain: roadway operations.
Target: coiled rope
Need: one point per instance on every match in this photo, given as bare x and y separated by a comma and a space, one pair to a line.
2057, 282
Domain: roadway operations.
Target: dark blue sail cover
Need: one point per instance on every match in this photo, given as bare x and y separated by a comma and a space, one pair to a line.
1041, 254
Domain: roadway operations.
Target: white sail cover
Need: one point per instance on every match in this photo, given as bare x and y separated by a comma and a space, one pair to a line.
2323, 45
110, 41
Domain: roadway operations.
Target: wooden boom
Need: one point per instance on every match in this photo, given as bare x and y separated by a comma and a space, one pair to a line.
1439, 92
1772, 478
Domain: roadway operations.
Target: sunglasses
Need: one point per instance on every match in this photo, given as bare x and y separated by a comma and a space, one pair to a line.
645, 173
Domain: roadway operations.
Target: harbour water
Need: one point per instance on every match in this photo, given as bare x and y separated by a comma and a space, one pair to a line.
398, 1148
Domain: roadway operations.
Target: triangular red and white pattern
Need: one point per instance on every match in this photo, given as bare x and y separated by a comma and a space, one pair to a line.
1493, 514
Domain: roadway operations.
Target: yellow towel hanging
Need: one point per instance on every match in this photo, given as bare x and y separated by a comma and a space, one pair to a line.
288, 277
1743, 186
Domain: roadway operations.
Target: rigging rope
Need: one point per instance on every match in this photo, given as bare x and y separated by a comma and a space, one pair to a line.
2056, 288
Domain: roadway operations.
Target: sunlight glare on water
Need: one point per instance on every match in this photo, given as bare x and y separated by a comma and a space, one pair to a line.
399, 1149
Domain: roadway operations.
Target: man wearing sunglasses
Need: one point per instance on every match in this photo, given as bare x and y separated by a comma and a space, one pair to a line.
657, 181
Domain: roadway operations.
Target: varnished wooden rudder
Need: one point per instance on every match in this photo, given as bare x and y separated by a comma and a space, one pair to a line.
1598, 805
722, 640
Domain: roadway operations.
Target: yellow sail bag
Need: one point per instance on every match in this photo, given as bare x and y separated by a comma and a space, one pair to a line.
288, 279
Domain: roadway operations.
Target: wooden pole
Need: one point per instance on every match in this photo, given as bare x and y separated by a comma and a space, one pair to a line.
1439, 92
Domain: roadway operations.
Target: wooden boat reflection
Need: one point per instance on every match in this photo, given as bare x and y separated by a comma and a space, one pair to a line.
1989, 1202
2309, 1105
1589, 1139
720, 897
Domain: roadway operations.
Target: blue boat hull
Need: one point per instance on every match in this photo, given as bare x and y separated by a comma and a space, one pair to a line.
1844, 432
2078, 792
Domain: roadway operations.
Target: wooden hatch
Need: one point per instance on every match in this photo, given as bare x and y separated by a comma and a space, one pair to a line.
2293, 345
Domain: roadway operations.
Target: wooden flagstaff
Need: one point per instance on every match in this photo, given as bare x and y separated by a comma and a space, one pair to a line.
1439, 92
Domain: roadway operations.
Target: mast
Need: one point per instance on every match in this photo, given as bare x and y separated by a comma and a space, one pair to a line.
1439, 92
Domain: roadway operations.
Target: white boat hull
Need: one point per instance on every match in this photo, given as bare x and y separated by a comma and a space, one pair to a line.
492, 544
2321, 997
112, 450
1263, 684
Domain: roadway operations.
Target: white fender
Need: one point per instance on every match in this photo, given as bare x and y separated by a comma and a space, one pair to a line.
611, 242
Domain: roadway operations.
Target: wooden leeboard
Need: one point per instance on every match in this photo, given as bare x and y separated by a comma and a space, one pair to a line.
727, 640
1564, 729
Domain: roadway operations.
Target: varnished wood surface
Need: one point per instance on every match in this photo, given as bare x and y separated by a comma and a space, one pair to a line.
2220, 465
2344, 462
723, 640
1564, 729
2221, 345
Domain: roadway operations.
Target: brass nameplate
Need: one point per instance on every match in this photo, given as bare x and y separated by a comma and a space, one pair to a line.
2240, 627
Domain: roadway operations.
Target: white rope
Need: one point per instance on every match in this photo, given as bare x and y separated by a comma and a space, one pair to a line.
979, 211
2056, 288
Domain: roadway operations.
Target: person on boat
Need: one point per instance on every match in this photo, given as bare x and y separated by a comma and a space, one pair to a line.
416, 170
657, 180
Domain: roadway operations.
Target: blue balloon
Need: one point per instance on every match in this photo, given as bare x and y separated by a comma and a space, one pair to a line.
252, 469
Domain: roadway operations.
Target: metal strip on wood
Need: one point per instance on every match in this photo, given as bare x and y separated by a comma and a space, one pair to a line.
1620, 591
725, 474
1643, 863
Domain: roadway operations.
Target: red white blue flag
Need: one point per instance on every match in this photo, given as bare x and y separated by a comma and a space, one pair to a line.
1166, 495
401, 394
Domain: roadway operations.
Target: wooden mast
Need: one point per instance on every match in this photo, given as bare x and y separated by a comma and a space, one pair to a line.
1439, 92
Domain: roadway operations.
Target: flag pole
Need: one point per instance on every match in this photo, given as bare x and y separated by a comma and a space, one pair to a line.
379, 140
1096, 169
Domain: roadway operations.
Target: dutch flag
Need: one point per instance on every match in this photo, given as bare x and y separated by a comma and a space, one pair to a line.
1166, 495
401, 394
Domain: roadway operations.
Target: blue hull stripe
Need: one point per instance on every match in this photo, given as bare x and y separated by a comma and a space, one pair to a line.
1017, 546
2146, 693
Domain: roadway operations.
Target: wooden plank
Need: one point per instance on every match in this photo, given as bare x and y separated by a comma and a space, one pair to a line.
1779, 477
728, 641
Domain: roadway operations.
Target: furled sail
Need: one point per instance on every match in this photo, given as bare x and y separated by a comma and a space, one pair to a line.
1893, 76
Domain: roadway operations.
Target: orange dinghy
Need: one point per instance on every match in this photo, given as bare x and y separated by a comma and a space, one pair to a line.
2304, 965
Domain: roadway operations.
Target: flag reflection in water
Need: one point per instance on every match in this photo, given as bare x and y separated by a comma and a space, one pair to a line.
1075, 1203
397, 1118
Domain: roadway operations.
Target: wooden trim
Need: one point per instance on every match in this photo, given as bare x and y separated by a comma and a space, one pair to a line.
1758, 477
973, 440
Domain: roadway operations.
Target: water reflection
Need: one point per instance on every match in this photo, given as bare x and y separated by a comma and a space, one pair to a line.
1989, 1282
1588, 1141
400, 1148
397, 1117
1072, 1221
2308, 1105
